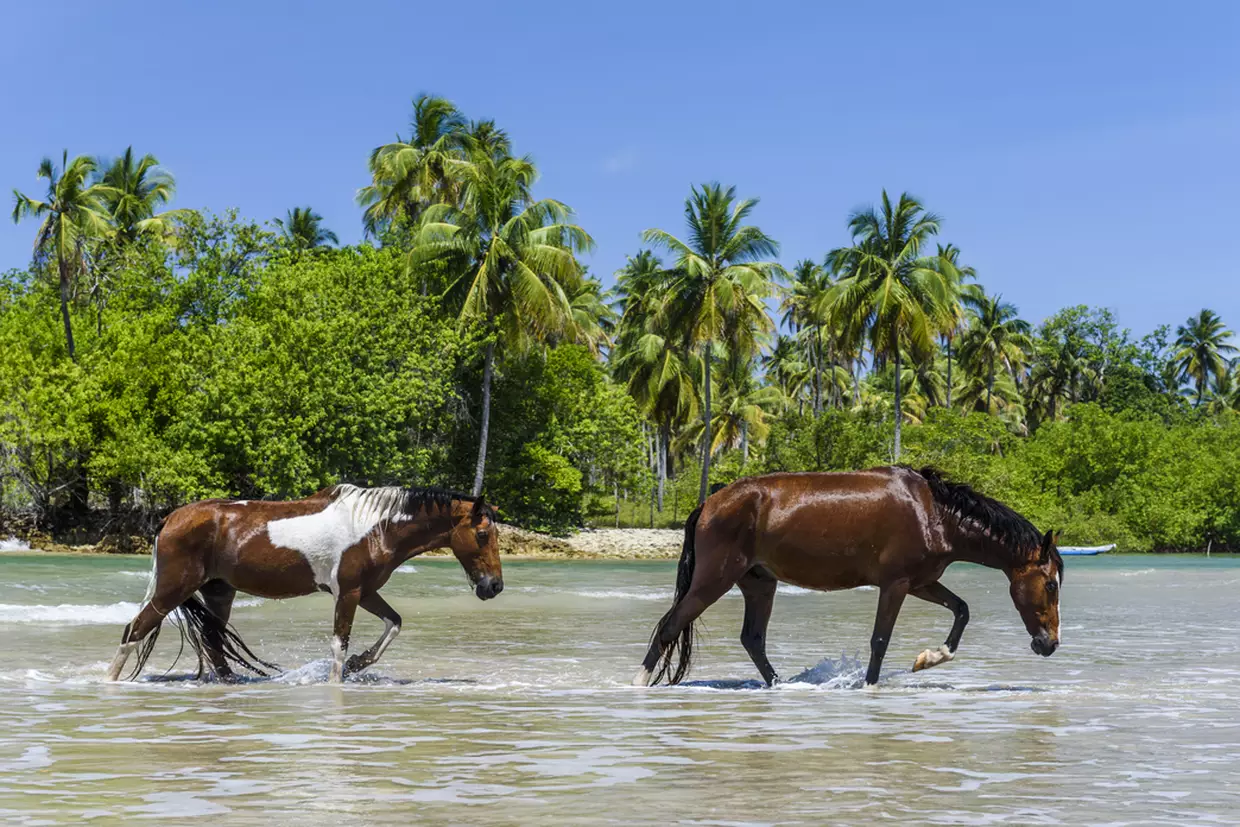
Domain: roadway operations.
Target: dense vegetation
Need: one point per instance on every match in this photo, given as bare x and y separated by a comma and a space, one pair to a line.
150, 358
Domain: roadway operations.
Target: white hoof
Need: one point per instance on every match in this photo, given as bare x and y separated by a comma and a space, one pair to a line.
643, 677
933, 657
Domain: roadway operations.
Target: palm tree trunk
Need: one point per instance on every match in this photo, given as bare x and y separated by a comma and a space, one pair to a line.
705, 484
661, 437
816, 355
899, 407
64, 310
990, 383
480, 468
949, 373
744, 442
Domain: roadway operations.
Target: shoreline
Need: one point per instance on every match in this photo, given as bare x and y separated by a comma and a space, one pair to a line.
514, 544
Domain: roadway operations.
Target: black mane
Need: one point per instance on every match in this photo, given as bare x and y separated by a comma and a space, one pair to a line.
419, 497
996, 519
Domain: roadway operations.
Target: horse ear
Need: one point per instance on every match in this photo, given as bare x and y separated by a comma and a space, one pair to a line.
480, 507
1048, 540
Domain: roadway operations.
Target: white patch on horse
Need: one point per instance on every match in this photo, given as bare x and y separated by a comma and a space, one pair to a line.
390, 631
322, 538
338, 650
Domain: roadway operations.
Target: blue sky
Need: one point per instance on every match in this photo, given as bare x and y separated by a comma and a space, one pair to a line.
1078, 153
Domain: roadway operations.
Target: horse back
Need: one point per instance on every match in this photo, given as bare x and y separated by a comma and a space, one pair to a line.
828, 530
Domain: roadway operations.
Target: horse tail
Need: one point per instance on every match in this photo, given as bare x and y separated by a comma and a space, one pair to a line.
684, 578
198, 623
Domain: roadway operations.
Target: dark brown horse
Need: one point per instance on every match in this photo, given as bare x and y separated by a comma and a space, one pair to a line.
344, 540
895, 528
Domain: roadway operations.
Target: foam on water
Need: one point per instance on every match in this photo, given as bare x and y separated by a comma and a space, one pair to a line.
79, 614
13, 544
69, 613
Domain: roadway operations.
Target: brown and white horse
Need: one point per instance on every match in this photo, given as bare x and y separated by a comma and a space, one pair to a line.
344, 540
895, 528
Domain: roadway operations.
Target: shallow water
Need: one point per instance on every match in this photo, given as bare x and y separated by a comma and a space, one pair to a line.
518, 710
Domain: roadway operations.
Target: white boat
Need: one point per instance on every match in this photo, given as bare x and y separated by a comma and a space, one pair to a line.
1075, 551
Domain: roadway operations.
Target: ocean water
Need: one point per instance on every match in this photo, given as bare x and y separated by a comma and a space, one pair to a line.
519, 711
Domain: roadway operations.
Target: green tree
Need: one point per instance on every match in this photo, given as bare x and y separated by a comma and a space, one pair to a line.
74, 215
890, 292
721, 280
1202, 348
302, 229
514, 261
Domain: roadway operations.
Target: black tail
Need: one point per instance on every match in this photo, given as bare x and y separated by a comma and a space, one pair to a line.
144, 651
684, 577
199, 624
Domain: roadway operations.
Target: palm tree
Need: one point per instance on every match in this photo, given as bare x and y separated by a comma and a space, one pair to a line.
787, 369
743, 411
890, 292
407, 176
514, 260
137, 187
963, 297
721, 279
73, 215
591, 319
1201, 350
657, 374
810, 285
995, 336
302, 229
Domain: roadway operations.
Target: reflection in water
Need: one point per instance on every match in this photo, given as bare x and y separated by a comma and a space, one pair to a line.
518, 710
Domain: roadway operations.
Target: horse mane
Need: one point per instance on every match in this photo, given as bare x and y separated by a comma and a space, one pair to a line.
392, 501
999, 521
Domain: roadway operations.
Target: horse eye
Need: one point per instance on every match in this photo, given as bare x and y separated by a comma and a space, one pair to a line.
1052, 586
482, 536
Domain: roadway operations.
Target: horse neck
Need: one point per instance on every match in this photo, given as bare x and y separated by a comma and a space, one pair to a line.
969, 544
428, 529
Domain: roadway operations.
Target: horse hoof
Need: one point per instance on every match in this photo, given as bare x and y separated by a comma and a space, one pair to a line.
932, 657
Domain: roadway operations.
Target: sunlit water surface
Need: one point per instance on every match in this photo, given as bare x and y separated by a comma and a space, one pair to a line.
519, 710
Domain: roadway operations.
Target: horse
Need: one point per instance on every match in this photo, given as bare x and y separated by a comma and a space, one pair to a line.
895, 528
344, 540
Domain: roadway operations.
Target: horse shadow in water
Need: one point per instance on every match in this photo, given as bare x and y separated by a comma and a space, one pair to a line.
849, 673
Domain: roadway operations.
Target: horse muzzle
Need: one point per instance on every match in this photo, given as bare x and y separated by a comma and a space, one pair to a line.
1043, 645
488, 586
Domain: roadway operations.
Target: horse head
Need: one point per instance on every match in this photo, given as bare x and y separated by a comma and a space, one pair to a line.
1035, 593
475, 543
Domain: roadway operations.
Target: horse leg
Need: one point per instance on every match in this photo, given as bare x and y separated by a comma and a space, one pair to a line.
758, 586
217, 596
890, 599
940, 595
704, 591
165, 598
346, 608
378, 607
